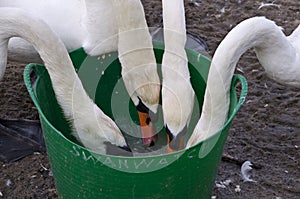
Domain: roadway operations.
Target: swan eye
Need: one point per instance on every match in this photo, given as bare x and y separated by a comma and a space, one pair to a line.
141, 107
171, 136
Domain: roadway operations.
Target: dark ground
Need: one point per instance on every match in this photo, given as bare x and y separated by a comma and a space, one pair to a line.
266, 130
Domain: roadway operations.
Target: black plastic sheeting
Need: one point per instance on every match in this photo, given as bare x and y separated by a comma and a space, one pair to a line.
20, 138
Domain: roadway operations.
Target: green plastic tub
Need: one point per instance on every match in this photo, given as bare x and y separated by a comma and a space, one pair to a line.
80, 173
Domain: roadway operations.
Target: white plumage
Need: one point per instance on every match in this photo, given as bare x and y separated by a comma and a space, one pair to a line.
90, 124
177, 92
278, 55
100, 26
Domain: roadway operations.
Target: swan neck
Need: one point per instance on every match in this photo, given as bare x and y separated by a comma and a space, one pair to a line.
136, 53
271, 46
174, 25
273, 51
18, 23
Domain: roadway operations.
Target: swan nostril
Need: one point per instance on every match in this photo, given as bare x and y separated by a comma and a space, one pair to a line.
148, 120
126, 148
141, 107
152, 143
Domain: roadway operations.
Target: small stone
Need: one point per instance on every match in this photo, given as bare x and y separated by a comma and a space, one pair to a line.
227, 182
237, 189
8, 182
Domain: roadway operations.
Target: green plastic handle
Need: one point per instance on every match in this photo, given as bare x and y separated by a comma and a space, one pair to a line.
27, 71
235, 80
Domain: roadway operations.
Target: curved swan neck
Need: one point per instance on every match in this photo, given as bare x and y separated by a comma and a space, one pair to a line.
274, 52
90, 124
17, 23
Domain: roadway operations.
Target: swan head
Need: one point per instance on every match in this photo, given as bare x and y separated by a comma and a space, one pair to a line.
144, 91
98, 132
113, 139
177, 111
177, 100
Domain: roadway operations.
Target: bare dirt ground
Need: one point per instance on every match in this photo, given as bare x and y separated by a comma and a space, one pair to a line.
266, 131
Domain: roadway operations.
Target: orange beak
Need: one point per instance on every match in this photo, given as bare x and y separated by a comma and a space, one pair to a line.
175, 144
149, 135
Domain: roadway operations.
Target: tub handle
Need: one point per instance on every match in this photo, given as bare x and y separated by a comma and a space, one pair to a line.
237, 78
38, 70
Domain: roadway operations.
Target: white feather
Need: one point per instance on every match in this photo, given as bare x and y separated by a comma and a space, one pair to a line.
245, 170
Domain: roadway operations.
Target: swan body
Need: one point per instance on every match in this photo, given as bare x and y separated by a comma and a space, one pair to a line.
278, 55
177, 92
90, 124
79, 23
65, 21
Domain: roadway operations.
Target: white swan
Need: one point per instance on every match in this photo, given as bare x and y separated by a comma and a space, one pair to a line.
90, 124
278, 54
90, 24
139, 68
93, 25
177, 92
63, 17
